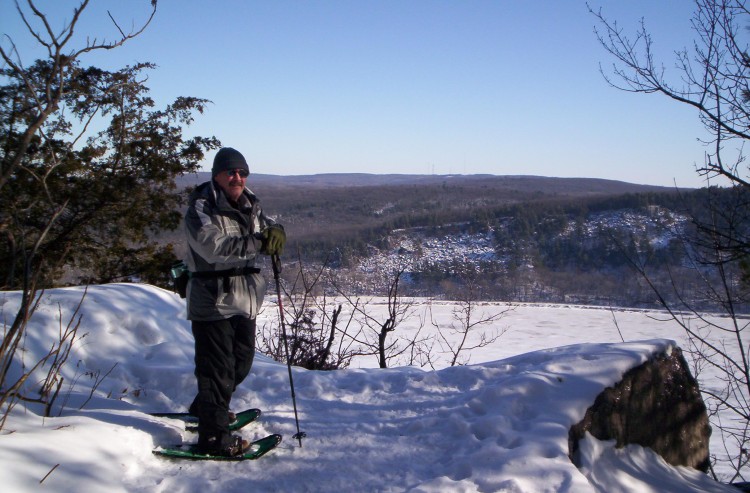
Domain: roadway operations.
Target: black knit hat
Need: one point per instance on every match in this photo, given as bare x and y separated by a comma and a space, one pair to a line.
228, 158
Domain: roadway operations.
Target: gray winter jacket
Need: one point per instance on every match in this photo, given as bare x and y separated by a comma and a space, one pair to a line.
222, 238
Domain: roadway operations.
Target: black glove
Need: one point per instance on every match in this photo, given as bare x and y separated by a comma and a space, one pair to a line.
273, 240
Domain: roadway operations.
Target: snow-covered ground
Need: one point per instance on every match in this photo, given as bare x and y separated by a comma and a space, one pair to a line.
498, 424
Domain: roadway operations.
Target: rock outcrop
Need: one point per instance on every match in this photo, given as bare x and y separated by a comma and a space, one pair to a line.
657, 405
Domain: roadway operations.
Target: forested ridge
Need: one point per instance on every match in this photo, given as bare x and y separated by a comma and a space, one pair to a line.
515, 238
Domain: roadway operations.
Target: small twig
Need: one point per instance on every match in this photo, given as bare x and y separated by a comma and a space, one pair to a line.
97, 382
617, 325
47, 475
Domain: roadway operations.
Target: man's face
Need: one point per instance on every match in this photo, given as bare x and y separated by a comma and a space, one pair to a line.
232, 182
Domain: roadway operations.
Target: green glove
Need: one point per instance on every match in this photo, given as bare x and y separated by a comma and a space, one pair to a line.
273, 241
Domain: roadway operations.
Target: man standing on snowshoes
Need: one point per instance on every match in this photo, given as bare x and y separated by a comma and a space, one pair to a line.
226, 229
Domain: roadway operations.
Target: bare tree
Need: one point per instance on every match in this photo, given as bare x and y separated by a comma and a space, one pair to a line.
52, 379
376, 340
315, 344
471, 328
711, 77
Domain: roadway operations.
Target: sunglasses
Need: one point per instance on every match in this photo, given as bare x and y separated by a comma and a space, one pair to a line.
231, 172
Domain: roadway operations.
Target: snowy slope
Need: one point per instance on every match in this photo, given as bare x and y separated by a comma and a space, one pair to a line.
500, 424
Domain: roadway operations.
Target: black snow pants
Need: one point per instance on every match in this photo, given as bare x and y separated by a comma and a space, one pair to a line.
224, 352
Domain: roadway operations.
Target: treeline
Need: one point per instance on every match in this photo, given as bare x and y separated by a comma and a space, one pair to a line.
547, 248
334, 225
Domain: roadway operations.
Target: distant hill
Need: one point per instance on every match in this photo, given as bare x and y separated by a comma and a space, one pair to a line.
517, 183
528, 238
325, 210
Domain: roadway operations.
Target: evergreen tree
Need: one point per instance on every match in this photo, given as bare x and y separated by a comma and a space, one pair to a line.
92, 206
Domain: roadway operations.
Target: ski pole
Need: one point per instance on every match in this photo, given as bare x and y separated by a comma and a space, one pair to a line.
276, 275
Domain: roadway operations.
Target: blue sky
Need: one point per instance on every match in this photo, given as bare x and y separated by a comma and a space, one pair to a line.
410, 86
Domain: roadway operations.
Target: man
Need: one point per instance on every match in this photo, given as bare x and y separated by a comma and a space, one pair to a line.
226, 229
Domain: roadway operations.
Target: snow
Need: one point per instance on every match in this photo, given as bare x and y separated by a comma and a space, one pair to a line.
498, 424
